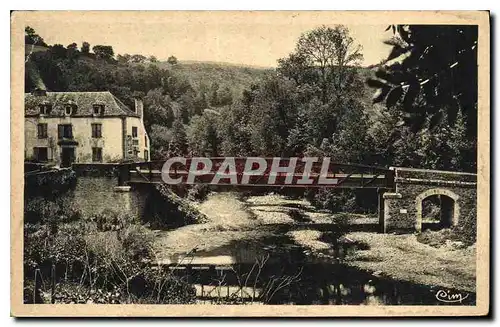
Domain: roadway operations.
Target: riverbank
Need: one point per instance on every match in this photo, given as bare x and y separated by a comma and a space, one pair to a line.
232, 219
401, 257
228, 221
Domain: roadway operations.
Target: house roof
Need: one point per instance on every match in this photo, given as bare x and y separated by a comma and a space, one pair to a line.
84, 102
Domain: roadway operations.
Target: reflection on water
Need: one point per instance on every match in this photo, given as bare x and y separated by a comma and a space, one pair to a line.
274, 270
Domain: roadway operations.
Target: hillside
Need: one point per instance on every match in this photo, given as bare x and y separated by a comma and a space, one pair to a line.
202, 74
86, 73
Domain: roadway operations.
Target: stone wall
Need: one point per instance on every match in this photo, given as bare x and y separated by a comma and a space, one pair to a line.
96, 194
49, 183
403, 208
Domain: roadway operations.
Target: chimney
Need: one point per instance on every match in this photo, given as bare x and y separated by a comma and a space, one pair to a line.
139, 107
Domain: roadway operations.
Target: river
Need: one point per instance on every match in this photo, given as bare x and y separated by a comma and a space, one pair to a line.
253, 251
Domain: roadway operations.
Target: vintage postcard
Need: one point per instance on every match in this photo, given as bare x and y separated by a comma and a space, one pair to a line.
231, 163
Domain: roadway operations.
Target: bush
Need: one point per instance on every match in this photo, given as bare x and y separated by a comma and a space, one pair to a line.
166, 209
92, 261
431, 208
90, 265
335, 200
81, 294
50, 184
344, 200
137, 241
59, 210
198, 192
466, 230
44, 246
108, 220
155, 286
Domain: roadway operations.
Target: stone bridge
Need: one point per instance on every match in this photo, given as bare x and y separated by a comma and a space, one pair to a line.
402, 192
401, 209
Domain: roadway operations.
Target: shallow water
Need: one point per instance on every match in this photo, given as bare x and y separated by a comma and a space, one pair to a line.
275, 270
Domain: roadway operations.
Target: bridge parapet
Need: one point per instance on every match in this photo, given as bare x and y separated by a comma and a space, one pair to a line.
402, 209
424, 175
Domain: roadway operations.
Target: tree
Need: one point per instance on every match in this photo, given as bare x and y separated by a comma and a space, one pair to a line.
124, 59
58, 51
199, 104
72, 51
225, 97
31, 37
160, 137
152, 59
85, 47
103, 51
234, 130
178, 145
295, 67
202, 135
350, 143
273, 114
214, 94
186, 102
325, 57
158, 109
431, 67
137, 58
175, 85
172, 60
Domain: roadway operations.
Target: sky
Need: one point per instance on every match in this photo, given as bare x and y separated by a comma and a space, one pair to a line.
247, 38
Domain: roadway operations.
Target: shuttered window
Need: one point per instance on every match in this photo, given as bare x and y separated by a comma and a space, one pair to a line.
41, 154
96, 130
97, 154
65, 131
42, 131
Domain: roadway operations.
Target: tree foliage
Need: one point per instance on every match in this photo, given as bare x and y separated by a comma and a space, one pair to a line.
324, 57
172, 60
31, 37
85, 47
316, 102
103, 51
431, 67
178, 146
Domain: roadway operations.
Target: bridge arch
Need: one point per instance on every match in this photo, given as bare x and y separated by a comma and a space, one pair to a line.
450, 207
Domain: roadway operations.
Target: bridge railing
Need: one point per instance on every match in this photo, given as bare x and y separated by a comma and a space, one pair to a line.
433, 175
347, 175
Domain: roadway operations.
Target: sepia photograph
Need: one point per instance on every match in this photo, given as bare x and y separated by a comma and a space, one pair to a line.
257, 161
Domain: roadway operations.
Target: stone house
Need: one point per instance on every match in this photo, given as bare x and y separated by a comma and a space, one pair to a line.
62, 128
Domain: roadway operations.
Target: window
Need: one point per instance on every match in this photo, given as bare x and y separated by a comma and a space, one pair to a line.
96, 130
134, 131
45, 108
65, 131
145, 140
68, 109
97, 154
42, 131
41, 154
146, 155
98, 109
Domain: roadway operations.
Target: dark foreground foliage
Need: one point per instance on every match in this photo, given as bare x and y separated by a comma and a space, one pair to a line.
165, 209
102, 260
